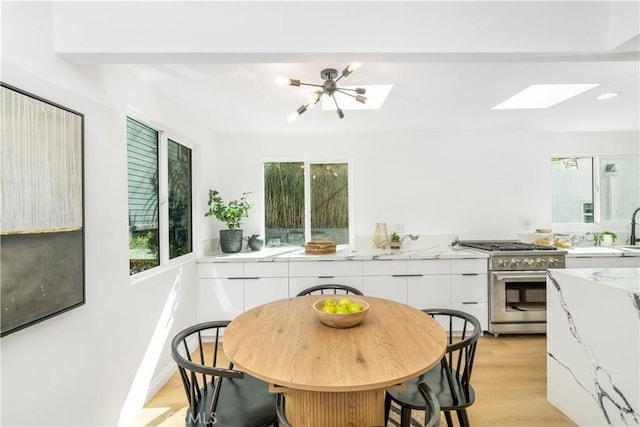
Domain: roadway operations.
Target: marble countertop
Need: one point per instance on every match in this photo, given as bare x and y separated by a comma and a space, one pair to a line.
623, 278
344, 253
603, 251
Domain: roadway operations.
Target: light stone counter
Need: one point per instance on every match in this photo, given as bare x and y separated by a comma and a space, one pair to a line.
603, 251
593, 345
344, 253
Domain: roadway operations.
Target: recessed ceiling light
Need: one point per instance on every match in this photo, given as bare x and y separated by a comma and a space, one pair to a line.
607, 95
543, 96
376, 95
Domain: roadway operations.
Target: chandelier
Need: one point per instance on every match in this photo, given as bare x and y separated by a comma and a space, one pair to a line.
330, 88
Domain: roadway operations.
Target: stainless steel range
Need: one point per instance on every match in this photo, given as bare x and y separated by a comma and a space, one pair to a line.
517, 284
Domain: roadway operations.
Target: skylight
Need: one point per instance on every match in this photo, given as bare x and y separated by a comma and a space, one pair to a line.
376, 95
543, 96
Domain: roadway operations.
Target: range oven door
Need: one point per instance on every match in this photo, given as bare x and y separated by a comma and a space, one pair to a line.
518, 296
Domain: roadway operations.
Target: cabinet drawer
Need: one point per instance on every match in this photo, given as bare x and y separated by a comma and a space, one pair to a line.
325, 268
469, 288
384, 268
220, 269
266, 269
479, 310
429, 266
459, 266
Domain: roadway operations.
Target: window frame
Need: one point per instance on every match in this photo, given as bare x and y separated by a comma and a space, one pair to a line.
164, 135
596, 191
307, 191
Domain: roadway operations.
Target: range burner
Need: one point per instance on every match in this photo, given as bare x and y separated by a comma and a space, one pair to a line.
504, 245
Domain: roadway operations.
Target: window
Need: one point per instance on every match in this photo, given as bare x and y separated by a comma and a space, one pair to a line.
306, 201
179, 168
158, 232
595, 189
142, 172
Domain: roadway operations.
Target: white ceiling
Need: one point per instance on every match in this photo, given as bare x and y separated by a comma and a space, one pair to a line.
445, 78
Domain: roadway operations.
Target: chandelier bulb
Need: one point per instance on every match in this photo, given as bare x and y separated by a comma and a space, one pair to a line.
281, 80
340, 113
361, 99
293, 117
294, 82
361, 90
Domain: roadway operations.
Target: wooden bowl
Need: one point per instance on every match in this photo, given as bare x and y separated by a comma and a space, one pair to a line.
341, 320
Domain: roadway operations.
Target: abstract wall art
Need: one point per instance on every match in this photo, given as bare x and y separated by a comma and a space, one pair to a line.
42, 209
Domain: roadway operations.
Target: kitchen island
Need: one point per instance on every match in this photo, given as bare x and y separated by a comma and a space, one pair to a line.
593, 345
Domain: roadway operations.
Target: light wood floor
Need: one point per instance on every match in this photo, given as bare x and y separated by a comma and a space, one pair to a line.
509, 376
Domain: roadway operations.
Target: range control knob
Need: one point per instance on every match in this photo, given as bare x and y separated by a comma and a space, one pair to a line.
515, 262
528, 262
541, 262
503, 263
552, 262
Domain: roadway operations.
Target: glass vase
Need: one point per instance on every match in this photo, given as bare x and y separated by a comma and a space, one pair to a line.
381, 237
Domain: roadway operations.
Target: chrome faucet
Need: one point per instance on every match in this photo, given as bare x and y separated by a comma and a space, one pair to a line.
632, 241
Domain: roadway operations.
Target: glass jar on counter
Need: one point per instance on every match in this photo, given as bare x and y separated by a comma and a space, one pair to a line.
563, 240
543, 237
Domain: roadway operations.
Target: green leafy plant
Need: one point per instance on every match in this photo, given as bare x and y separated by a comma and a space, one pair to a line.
599, 237
230, 213
394, 237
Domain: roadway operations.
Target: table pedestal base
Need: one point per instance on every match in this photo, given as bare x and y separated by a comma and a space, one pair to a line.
325, 409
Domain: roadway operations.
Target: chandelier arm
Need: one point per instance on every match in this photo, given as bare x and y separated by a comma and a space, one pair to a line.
335, 101
351, 89
344, 93
310, 84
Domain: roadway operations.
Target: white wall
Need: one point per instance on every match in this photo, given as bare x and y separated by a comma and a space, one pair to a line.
94, 365
475, 185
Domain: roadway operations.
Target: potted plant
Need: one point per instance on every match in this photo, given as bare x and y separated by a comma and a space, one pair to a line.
231, 214
608, 237
394, 240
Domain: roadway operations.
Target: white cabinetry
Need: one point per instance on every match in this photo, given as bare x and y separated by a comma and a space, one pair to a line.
386, 279
264, 282
220, 291
429, 283
227, 289
304, 274
469, 293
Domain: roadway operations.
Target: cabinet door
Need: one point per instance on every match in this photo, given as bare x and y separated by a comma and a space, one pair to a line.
429, 266
324, 268
297, 284
466, 265
220, 299
220, 269
266, 269
384, 267
480, 310
389, 287
429, 291
469, 287
258, 291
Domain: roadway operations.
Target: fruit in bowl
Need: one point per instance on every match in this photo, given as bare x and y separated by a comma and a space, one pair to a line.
341, 312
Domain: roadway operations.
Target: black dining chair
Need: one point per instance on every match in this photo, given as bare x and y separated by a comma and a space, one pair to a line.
282, 418
450, 380
332, 289
432, 407
218, 396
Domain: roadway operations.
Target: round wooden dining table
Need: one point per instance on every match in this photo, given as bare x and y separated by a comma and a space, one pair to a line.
334, 377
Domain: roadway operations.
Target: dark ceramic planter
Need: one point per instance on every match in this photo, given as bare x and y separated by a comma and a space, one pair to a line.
230, 241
